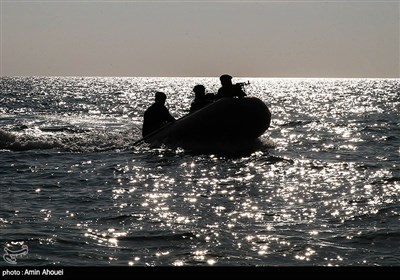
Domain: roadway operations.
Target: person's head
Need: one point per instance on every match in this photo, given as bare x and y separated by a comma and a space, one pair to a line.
226, 80
199, 91
160, 97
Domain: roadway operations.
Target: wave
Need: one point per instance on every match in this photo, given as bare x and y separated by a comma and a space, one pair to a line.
148, 236
10, 141
297, 123
63, 139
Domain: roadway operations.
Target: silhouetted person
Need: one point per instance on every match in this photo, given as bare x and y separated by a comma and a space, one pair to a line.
156, 115
228, 89
201, 99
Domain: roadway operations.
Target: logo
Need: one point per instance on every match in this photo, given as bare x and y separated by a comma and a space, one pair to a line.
11, 256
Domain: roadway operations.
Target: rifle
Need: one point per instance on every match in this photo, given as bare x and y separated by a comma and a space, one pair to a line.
242, 85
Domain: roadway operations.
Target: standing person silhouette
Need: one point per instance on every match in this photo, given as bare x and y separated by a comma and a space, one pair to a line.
157, 115
228, 89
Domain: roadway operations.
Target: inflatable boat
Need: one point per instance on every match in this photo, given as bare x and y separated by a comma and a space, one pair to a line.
226, 124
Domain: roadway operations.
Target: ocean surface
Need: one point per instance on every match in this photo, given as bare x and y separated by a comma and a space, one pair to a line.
322, 190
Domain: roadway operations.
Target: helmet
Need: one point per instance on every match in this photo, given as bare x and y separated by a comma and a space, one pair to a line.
225, 77
199, 88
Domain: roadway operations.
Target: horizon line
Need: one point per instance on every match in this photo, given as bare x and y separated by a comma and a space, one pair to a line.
246, 77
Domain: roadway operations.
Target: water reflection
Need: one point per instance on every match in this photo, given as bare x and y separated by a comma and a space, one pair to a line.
216, 204
323, 190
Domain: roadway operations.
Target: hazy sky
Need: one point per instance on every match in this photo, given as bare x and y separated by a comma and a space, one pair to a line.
200, 38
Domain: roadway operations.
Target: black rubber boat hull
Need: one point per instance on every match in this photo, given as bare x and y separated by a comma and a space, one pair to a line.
227, 121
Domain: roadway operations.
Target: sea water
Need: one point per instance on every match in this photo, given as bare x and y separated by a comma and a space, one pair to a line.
323, 189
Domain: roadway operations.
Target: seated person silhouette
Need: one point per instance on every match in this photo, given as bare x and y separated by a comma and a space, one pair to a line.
157, 115
201, 99
228, 89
